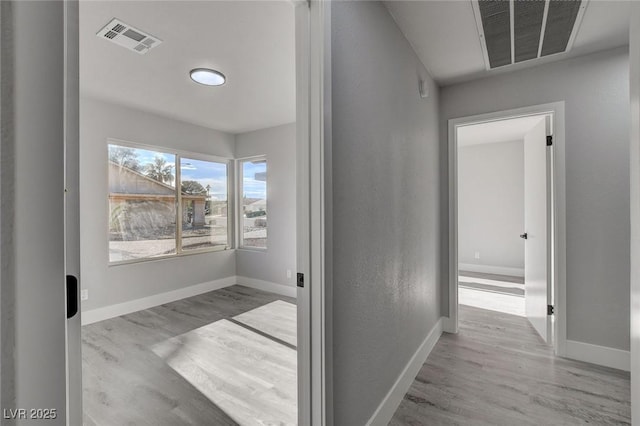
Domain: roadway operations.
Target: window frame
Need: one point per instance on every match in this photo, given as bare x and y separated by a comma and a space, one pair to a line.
239, 229
179, 155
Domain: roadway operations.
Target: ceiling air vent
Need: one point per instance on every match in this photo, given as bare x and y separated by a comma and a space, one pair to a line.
513, 31
496, 22
129, 37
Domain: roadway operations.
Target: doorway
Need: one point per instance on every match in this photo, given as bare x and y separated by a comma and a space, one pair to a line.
55, 108
508, 253
222, 202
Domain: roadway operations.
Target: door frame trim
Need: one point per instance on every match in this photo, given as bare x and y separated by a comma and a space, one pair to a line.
313, 126
73, 326
313, 134
559, 212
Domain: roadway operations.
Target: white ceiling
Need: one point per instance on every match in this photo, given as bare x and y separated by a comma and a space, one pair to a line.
445, 36
251, 42
513, 129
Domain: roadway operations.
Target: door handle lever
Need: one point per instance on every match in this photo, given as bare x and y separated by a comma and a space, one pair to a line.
524, 236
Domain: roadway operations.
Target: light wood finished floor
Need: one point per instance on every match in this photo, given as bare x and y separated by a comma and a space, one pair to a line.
277, 319
127, 383
249, 376
504, 284
497, 371
499, 293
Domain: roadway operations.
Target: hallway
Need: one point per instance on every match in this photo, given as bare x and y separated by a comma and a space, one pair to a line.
497, 371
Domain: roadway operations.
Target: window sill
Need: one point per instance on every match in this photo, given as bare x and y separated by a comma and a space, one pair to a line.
169, 257
252, 249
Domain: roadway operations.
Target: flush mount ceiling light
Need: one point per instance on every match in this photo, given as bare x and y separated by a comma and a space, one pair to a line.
207, 77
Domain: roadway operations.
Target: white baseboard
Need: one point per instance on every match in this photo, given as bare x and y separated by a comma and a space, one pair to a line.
112, 311
489, 269
601, 355
392, 400
284, 290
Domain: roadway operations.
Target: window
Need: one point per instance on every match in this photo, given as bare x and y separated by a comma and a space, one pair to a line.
204, 204
144, 218
254, 203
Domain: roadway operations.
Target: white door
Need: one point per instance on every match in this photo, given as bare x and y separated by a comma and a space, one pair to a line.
536, 228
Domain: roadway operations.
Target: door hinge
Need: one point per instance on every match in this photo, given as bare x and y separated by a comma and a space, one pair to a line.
549, 140
550, 310
300, 279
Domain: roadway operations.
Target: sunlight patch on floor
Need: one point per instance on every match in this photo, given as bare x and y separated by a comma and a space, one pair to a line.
492, 301
249, 376
277, 319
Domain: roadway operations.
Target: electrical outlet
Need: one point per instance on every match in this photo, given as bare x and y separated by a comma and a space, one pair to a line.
84, 294
288, 273
477, 255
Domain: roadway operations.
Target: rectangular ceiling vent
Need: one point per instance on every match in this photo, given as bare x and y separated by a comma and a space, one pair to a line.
129, 37
513, 31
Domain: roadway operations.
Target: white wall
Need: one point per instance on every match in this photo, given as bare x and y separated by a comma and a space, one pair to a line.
279, 145
634, 49
385, 207
491, 207
595, 89
110, 285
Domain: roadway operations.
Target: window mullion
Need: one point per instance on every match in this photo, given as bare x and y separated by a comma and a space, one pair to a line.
179, 206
